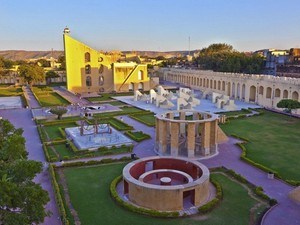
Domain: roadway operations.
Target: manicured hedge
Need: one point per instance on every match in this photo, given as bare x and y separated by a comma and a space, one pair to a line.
58, 197
208, 207
96, 162
133, 136
130, 207
135, 117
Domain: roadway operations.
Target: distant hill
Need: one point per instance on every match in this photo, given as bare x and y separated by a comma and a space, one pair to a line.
24, 55
168, 54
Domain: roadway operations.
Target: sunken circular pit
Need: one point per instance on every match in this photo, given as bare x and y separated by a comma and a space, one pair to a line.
166, 183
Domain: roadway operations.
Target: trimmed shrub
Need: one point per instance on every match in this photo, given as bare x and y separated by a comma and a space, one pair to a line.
58, 197
208, 207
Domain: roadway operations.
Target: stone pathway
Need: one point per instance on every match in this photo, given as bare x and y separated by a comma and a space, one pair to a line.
33, 103
70, 96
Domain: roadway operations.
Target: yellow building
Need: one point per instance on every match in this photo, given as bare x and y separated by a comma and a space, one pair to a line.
91, 71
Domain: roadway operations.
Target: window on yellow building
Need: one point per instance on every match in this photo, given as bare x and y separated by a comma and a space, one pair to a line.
140, 75
87, 69
88, 81
101, 80
87, 57
101, 68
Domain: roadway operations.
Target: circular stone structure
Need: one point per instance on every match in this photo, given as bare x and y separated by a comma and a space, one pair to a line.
187, 133
166, 183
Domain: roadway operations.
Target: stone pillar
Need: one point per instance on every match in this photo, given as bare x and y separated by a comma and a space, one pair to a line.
205, 138
196, 117
174, 138
191, 139
182, 125
162, 145
157, 134
213, 136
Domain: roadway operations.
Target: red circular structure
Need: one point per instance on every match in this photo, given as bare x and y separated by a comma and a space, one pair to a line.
166, 183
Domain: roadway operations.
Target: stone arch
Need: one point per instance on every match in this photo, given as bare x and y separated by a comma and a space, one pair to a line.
252, 95
285, 94
228, 88
219, 85
243, 91
261, 90
141, 86
223, 85
87, 57
87, 69
269, 92
215, 84
131, 86
211, 84
88, 81
204, 82
141, 75
207, 83
277, 93
295, 95
200, 82
101, 80
233, 90
238, 91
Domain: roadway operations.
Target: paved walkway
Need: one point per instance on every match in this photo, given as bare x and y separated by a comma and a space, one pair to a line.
146, 147
22, 118
33, 103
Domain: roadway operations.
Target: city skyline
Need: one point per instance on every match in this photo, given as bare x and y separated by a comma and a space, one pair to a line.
150, 25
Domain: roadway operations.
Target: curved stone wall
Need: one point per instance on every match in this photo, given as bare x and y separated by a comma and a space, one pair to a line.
166, 183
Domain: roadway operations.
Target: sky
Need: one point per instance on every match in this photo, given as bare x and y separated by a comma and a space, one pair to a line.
158, 25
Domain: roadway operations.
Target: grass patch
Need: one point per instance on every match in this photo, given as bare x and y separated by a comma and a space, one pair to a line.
137, 135
47, 97
147, 119
10, 91
89, 192
53, 130
273, 141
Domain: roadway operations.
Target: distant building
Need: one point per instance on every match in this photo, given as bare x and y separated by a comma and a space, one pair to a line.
295, 55
91, 71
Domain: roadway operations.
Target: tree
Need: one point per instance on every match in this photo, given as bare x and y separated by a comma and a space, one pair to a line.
62, 61
50, 74
59, 111
31, 73
22, 201
223, 58
43, 63
288, 104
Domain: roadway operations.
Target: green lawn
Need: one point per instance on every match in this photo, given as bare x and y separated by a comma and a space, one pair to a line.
53, 131
137, 135
274, 141
125, 110
89, 192
47, 97
147, 119
10, 91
